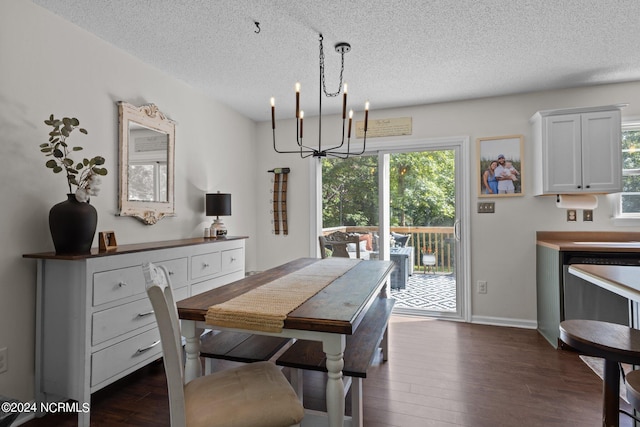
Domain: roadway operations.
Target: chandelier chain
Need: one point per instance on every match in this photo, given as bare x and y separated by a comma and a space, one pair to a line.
324, 86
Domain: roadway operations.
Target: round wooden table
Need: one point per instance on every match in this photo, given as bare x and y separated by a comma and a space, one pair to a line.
615, 344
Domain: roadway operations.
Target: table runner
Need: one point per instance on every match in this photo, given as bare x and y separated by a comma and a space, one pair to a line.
265, 308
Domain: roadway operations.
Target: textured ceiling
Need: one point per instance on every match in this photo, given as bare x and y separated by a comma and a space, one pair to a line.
404, 52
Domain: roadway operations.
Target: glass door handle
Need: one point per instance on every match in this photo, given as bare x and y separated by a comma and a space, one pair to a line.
456, 230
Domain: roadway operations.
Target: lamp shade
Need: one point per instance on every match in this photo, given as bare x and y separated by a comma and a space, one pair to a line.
218, 204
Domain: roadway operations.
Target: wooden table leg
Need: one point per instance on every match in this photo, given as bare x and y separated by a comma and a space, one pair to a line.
192, 368
333, 345
611, 392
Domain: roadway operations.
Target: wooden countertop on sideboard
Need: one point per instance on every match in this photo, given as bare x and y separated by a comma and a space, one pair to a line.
136, 247
592, 241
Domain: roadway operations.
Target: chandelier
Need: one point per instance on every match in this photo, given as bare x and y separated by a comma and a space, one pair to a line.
340, 150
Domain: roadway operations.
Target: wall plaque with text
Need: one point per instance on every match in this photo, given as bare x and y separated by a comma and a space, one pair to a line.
385, 127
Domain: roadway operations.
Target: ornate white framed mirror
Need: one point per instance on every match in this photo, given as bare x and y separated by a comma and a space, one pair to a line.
147, 154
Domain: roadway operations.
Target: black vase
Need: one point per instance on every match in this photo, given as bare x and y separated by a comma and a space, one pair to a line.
73, 225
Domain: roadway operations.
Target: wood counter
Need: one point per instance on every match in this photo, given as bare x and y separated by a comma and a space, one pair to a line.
590, 241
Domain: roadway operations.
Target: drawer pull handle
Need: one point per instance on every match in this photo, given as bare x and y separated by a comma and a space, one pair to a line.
148, 313
233, 259
171, 273
142, 350
205, 265
122, 284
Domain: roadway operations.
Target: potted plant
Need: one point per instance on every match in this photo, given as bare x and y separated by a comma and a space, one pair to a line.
73, 222
428, 258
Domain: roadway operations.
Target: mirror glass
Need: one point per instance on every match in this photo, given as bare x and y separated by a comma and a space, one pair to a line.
147, 141
148, 154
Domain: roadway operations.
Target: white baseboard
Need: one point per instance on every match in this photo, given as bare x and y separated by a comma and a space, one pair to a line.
505, 321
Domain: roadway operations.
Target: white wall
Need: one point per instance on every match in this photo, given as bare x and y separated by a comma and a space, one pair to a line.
502, 244
50, 66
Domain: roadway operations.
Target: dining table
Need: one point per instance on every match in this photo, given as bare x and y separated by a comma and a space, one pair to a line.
331, 313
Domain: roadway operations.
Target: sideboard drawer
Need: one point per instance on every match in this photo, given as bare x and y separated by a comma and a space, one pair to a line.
216, 282
232, 260
116, 284
124, 355
177, 269
119, 320
205, 265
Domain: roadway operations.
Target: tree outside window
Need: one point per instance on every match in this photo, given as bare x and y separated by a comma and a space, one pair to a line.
630, 196
422, 190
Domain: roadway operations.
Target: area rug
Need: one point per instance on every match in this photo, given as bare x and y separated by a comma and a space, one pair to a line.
427, 292
597, 365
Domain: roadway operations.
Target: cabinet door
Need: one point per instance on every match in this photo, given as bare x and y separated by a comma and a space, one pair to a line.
562, 160
601, 155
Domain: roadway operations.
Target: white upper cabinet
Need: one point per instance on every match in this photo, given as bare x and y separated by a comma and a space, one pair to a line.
577, 150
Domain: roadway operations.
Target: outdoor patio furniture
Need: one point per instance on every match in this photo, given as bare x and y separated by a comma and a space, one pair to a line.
403, 258
401, 240
338, 242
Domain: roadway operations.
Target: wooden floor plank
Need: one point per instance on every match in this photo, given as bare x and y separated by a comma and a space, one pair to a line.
439, 373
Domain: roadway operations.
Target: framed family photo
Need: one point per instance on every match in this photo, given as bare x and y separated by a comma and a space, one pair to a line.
500, 164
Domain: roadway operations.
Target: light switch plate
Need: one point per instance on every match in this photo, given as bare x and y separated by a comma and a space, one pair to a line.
486, 207
587, 215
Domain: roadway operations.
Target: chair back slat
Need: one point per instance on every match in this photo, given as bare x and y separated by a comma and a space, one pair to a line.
159, 291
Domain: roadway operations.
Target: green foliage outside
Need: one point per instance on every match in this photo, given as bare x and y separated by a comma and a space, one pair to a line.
422, 190
631, 161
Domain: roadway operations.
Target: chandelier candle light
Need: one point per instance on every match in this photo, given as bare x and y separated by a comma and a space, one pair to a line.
337, 150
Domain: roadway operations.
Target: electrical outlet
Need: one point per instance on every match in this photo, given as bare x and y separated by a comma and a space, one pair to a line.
587, 215
486, 207
4, 363
482, 286
571, 215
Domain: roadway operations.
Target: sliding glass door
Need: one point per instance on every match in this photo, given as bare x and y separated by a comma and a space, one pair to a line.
408, 202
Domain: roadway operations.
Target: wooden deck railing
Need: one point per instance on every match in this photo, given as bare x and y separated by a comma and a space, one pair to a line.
439, 239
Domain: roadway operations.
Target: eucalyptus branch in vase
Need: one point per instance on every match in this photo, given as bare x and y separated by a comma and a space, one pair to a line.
85, 175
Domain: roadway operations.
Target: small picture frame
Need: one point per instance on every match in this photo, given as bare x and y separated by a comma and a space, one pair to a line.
500, 166
107, 241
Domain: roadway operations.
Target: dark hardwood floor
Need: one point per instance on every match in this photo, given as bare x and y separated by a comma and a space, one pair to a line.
439, 373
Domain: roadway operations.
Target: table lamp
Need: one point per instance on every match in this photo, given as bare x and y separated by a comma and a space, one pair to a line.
218, 204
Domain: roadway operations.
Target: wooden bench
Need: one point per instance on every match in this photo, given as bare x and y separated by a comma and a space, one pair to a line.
361, 349
238, 347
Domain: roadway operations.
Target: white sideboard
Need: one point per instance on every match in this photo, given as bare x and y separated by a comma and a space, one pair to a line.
94, 322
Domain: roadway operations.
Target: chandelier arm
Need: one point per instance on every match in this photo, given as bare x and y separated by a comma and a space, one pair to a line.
345, 155
287, 151
309, 149
337, 147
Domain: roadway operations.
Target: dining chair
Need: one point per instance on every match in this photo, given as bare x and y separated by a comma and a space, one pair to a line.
338, 242
256, 394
